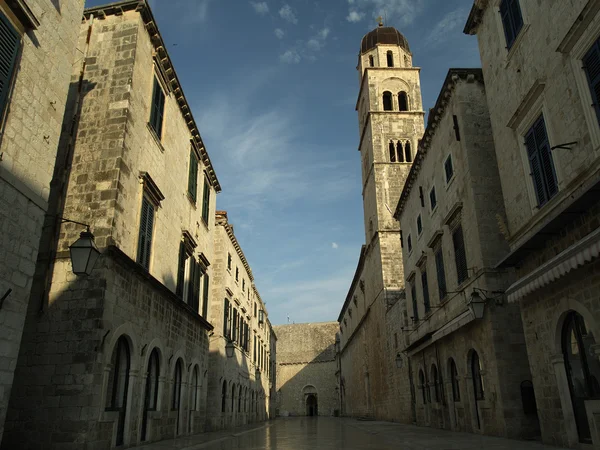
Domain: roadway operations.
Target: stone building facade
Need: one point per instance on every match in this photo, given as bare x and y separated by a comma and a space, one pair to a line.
240, 345
540, 62
390, 116
469, 372
38, 49
120, 357
306, 369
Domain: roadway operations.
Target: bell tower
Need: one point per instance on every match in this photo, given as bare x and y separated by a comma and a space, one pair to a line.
391, 122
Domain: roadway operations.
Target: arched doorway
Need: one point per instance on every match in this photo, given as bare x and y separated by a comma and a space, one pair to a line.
118, 385
312, 406
477, 384
151, 391
583, 370
176, 398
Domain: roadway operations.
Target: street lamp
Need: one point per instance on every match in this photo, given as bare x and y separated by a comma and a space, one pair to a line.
229, 349
257, 374
476, 305
84, 254
399, 361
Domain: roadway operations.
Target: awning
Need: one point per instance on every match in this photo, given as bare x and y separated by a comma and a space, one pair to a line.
573, 257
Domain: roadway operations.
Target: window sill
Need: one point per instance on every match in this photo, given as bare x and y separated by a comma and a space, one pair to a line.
191, 200
155, 137
433, 211
516, 43
205, 223
450, 181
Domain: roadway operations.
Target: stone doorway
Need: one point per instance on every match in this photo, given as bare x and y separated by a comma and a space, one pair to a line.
312, 406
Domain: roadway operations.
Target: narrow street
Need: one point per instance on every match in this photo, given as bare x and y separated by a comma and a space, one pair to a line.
324, 433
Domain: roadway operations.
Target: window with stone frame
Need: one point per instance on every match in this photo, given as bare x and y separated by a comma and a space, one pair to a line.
237, 274
432, 198
387, 101
591, 66
425, 287
157, 108
227, 319
403, 101
415, 303
193, 176
448, 169
206, 201
371, 61
441, 272
189, 272
512, 20
151, 198
460, 254
390, 58
419, 225
409, 243
228, 261
206, 296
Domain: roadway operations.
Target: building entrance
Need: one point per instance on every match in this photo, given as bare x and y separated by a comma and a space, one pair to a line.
312, 405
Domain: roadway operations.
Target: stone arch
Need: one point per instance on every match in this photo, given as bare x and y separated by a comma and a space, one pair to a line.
564, 308
173, 360
309, 389
123, 330
158, 345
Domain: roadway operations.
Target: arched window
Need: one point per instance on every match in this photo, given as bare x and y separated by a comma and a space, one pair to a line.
176, 400
118, 385
436, 383
392, 152
422, 385
583, 371
454, 379
371, 61
240, 400
390, 59
477, 380
151, 391
408, 152
403, 101
195, 390
224, 396
387, 101
400, 152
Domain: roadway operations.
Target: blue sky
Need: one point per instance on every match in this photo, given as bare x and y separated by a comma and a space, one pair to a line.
272, 85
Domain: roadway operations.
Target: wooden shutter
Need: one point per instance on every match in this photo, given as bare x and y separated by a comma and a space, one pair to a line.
158, 107
591, 65
206, 201
441, 273
425, 292
206, 292
194, 287
145, 235
460, 256
413, 293
540, 161
226, 318
193, 176
181, 270
10, 42
506, 23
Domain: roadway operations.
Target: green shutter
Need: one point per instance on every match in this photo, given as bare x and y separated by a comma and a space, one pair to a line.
425, 286
181, 270
441, 274
460, 256
206, 292
193, 176
145, 235
591, 65
540, 161
206, 201
10, 42
226, 318
413, 293
157, 108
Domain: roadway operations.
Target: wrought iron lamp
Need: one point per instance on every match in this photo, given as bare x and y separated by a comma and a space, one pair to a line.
399, 361
229, 349
476, 305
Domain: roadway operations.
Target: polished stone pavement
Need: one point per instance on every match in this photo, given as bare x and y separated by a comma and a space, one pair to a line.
324, 433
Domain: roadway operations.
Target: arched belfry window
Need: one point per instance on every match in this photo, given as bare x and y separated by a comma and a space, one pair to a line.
390, 59
387, 101
400, 152
371, 61
403, 101
392, 152
408, 152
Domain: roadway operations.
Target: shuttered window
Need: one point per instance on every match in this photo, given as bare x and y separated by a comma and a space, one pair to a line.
591, 65
413, 294
441, 273
540, 162
10, 43
419, 224
409, 243
181, 269
206, 201
448, 168
425, 286
432, 198
157, 108
205, 296
226, 319
145, 236
512, 20
235, 325
460, 256
193, 294
193, 176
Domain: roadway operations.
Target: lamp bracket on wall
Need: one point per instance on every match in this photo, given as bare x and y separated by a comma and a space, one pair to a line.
566, 146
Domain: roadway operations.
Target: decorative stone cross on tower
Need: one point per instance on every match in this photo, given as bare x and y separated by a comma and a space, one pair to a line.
380, 21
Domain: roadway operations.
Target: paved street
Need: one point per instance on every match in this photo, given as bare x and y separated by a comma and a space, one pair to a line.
305, 433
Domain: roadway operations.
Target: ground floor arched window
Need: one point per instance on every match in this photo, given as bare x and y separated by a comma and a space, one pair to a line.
118, 385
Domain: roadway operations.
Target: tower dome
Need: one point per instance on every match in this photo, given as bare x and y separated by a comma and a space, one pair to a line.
383, 35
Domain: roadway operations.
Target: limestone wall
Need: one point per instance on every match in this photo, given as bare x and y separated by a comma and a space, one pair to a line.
306, 365
31, 130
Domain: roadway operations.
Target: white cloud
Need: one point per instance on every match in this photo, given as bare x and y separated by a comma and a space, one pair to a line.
397, 12
334, 245
290, 57
314, 44
324, 33
449, 23
261, 8
355, 16
287, 13
279, 33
